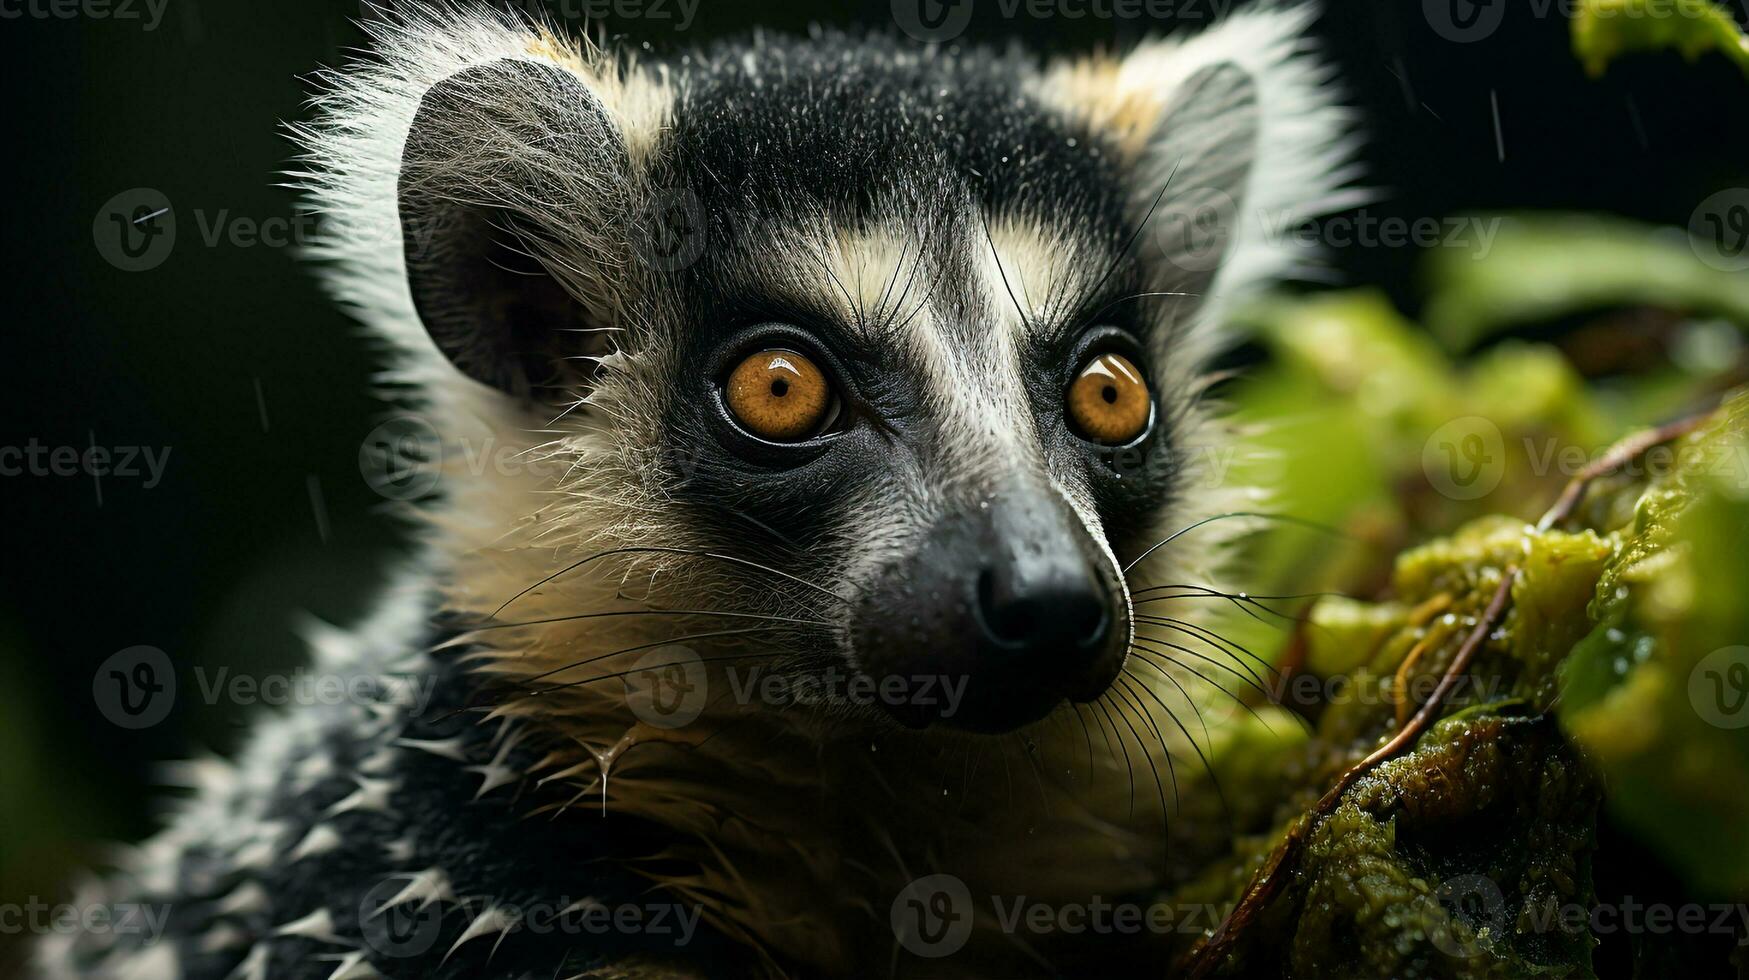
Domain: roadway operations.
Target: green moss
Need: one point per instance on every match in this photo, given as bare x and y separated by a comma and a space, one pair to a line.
1470, 854
1658, 692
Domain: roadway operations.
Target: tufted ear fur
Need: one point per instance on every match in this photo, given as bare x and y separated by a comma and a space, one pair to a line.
512, 193
1231, 137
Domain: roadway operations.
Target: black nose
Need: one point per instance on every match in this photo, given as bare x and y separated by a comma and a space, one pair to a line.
1064, 608
1008, 603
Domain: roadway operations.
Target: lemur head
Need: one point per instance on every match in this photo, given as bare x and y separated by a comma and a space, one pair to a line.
889, 353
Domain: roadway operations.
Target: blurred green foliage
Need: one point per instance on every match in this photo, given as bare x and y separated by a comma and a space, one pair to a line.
1546, 266
1615, 688
209, 566
1605, 29
1369, 423
1655, 694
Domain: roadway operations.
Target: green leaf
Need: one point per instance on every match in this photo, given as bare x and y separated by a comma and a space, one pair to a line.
1540, 267
1605, 29
1658, 693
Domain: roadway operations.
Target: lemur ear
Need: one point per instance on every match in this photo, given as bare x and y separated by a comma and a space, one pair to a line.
1193, 173
511, 180
1230, 138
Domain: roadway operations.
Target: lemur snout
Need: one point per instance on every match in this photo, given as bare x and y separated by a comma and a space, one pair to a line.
1007, 603
1032, 611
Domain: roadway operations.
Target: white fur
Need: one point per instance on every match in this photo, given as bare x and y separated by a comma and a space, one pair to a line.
352, 154
1303, 163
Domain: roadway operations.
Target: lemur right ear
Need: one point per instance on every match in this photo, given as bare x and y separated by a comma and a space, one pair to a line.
1228, 137
512, 179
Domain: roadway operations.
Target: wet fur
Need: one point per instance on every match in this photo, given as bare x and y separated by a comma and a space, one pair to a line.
794, 829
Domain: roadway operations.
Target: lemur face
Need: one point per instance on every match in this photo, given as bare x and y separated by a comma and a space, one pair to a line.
887, 336
912, 348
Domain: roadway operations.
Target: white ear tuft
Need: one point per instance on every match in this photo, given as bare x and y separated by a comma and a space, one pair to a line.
352, 161
1240, 136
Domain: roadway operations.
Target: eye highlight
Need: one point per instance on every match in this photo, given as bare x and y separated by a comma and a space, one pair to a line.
780, 395
1108, 401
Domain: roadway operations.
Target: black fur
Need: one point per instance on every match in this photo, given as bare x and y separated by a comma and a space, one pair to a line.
854, 127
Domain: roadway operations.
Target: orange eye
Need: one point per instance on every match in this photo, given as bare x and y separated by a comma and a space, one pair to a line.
1109, 401
780, 395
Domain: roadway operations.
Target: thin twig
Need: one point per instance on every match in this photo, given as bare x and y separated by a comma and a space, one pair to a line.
1207, 955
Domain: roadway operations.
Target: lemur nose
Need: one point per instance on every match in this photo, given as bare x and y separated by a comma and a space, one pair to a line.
1008, 600
1044, 608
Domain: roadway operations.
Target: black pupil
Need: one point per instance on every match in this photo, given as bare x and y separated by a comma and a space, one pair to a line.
1108, 393
780, 387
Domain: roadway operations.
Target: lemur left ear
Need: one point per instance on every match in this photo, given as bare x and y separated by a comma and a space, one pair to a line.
1230, 138
513, 181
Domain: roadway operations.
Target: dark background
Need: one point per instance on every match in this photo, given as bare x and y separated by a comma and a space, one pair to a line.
231, 359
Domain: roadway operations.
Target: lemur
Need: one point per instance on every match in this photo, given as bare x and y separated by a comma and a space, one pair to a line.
854, 386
